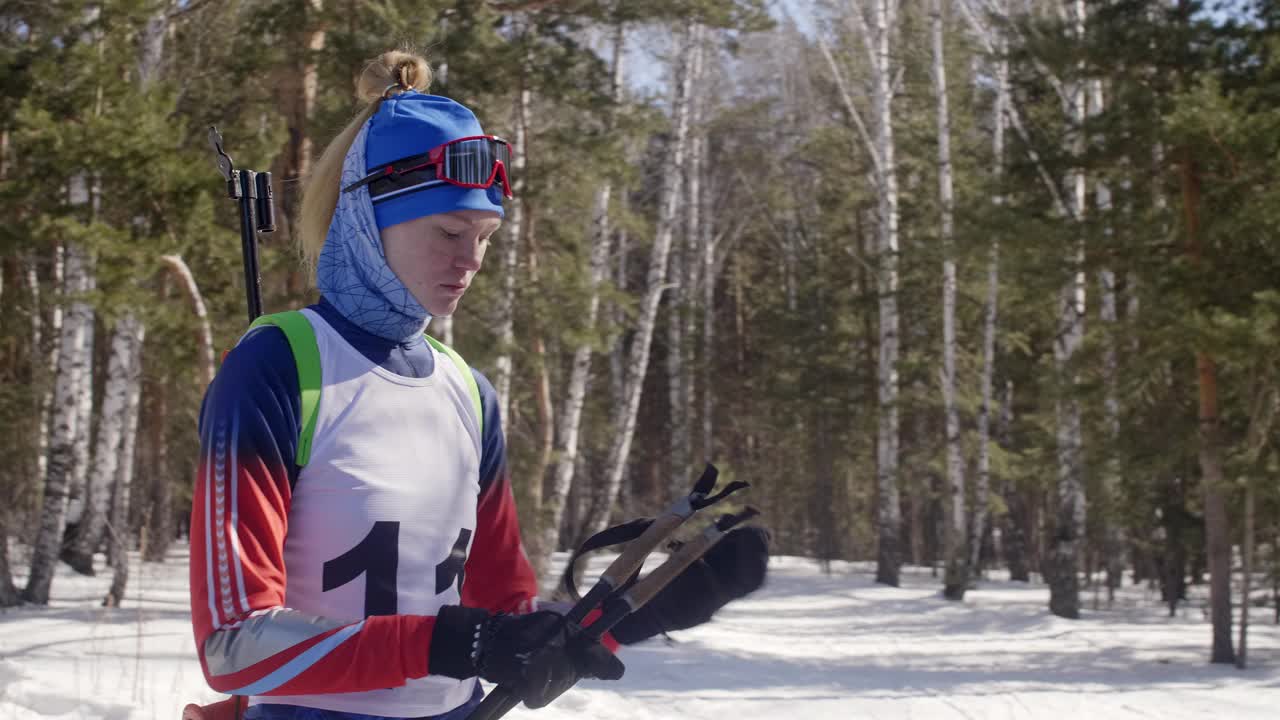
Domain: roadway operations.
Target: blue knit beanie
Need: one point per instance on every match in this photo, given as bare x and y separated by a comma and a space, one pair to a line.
411, 124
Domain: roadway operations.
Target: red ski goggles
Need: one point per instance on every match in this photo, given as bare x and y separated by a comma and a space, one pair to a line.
470, 162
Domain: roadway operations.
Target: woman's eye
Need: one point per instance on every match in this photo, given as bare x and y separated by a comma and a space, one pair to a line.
450, 236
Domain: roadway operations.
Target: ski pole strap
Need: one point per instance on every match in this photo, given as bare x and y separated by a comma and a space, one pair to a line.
502, 700
644, 534
615, 535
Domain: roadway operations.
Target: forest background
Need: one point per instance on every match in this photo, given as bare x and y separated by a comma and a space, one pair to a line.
972, 284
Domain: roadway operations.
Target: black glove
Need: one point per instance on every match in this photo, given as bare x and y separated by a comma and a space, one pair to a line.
734, 567
538, 655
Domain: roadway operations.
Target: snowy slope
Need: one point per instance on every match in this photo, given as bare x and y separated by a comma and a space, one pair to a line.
807, 646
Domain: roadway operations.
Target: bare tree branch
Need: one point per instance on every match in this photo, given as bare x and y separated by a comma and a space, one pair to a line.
986, 37
849, 105
860, 28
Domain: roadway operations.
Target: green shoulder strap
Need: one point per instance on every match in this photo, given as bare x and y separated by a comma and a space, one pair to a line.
306, 355
466, 376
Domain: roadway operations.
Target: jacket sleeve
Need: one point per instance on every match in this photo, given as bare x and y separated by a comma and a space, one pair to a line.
499, 577
248, 641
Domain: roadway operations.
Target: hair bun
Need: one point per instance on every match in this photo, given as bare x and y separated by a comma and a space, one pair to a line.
396, 69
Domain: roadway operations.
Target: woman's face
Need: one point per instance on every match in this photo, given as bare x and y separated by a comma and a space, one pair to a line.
436, 256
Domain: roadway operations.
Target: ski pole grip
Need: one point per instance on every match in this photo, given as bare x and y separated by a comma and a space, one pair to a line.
634, 554
680, 560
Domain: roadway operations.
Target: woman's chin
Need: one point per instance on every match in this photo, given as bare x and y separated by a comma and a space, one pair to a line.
443, 307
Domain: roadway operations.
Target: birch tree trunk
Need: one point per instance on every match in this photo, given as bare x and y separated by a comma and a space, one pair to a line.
888, 559
638, 361
73, 364
38, 348
121, 378
680, 300
990, 317
580, 375
511, 250
1069, 529
121, 510
126, 346
956, 578
1113, 529
79, 496
9, 595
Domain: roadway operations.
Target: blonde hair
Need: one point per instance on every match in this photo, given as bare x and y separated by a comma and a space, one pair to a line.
397, 70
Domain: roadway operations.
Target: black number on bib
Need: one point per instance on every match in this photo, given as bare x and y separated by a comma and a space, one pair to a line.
455, 565
376, 556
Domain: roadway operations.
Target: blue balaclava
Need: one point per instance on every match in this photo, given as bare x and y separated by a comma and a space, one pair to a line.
352, 272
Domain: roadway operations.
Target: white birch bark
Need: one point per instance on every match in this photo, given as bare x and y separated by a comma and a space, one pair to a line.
78, 497
128, 457
990, 317
677, 418
681, 299
503, 367
127, 345
580, 375
638, 361
956, 579
49, 358
1114, 544
1064, 591
72, 365
121, 382
889, 554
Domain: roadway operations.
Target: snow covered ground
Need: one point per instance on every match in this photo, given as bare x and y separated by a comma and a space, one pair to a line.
808, 646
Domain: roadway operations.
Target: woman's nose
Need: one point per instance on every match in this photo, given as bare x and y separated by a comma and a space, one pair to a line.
469, 255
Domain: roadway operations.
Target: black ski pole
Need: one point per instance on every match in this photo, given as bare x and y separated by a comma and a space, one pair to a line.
630, 598
252, 190
501, 700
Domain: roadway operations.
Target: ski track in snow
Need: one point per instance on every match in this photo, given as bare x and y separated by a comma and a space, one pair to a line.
807, 646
